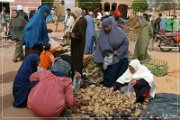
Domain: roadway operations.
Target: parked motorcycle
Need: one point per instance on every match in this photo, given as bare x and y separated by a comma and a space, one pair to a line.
169, 41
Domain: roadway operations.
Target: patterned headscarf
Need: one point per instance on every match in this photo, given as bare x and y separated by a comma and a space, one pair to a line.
60, 67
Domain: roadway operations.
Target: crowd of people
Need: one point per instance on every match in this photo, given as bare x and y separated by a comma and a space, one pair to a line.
44, 80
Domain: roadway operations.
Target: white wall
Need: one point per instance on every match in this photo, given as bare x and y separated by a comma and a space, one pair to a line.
69, 4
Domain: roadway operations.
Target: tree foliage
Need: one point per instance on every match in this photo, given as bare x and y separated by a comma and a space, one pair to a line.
48, 2
89, 4
140, 5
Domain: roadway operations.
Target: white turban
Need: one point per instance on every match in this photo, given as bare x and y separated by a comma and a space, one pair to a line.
77, 12
19, 7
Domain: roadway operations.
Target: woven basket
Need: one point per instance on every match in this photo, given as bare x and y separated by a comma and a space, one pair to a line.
157, 67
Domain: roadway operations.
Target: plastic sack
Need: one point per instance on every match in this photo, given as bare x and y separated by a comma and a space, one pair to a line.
76, 83
54, 45
49, 19
129, 90
108, 60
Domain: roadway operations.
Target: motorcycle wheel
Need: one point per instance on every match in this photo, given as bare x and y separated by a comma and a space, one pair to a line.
164, 50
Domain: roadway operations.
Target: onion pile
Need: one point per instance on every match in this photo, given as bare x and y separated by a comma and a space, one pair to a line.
102, 105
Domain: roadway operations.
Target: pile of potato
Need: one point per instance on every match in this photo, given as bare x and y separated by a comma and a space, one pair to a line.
100, 104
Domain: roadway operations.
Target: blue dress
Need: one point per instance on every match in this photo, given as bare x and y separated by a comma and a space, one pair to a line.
36, 32
90, 34
22, 85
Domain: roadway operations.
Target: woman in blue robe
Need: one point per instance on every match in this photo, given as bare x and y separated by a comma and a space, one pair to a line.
35, 34
112, 51
22, 85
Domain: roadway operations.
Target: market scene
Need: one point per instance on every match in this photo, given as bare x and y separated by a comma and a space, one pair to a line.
90, 60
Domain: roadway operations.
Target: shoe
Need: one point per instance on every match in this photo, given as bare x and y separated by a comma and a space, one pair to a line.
15, 61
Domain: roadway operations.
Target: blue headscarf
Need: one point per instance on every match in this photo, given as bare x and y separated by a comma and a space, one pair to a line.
22, 85
35, 32
60, 68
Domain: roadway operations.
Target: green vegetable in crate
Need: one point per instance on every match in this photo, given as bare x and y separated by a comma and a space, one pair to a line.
157, 67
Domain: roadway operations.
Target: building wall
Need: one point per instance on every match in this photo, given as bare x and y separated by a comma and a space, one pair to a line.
126, 2
28, 4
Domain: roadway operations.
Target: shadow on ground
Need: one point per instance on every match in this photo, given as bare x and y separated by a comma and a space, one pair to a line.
7, 77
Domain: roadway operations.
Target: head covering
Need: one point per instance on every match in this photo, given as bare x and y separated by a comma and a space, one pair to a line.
107, 22
35, 32
15, 22
106, 13
60, 67
142, 72
20, 7
78, 13
117, 13
99, 15
135, 64
91, 13
22, 85
110, 42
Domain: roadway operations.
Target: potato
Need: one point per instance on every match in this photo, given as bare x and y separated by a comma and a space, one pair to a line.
90, 109
102, 105
137, 112
87, 98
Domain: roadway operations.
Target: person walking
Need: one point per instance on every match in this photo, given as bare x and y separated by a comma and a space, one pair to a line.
16, 26
3, 22
140, 51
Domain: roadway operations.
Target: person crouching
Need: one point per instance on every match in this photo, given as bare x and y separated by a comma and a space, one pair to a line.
54, 90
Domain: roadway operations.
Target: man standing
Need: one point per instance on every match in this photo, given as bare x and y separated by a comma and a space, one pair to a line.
90, 31
69, 21
175, 24
117, 18
3, 21
68, 10
162, 24
78, 36
21, 12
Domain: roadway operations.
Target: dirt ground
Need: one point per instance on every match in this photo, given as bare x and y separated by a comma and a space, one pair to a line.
166, 84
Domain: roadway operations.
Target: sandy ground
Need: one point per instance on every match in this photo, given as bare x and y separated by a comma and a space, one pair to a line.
166, 84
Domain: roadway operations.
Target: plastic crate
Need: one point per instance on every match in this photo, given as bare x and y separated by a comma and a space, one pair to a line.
157, 67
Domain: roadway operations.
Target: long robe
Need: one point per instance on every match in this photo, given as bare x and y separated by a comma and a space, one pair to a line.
90, 32
78, 44
176, 25
115, 40
140, 51
22, 85
36, 32
17, 26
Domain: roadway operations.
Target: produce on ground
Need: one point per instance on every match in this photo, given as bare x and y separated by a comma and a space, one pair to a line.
102, 105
